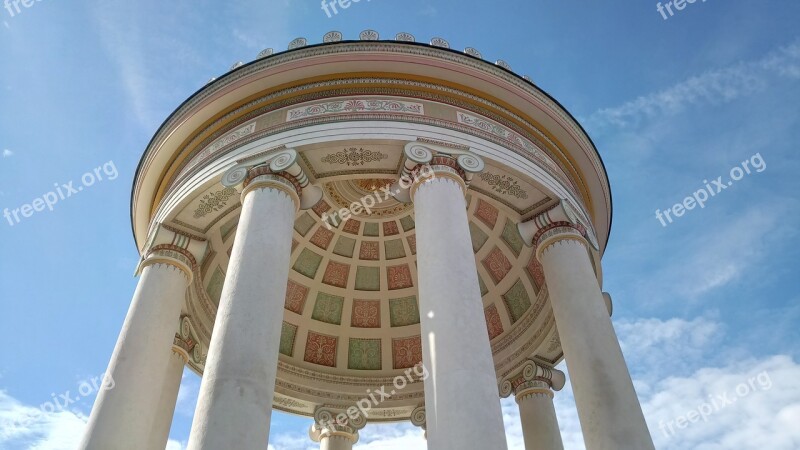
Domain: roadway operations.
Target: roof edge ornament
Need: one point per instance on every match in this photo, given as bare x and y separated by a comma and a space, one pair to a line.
298, 43
405, 37
332, 36
439, 42
369, 35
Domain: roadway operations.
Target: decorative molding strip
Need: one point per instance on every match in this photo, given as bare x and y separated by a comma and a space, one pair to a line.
504, 133
443, 144
226, 140
365, 105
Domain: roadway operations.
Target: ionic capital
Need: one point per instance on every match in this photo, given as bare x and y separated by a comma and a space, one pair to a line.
186, 345
453, 162
330, 422
277, 170
532, 378
166, 245
561, 221
419, 418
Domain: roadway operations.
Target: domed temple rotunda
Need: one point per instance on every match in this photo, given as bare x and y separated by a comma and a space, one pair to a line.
368, 231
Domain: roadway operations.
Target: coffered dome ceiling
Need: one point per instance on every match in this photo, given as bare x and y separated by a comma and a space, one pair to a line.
351, 317
351, 306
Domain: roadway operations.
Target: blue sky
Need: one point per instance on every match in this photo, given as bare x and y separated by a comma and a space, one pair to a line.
701, 306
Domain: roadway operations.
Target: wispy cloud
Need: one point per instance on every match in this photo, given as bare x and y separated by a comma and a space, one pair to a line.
7, 153
712, 87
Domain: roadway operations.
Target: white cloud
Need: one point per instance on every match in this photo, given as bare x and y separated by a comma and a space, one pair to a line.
27, 427
712, 87
764, 397
188, 394
7, 153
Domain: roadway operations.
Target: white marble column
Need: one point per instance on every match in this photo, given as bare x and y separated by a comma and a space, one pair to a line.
235, 403
609, 411
122, 417
538, 416
462, 405
533, 387
169, 397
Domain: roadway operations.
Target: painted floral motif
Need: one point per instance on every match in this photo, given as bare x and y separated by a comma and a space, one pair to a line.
296, 295
322, 238
328, 308
288, 333
399, 277
412, 243
355, 106
336, 274
214, 201
366, 314
354, 157
497, 265
486, 213
369, 251
321, 207
364, 354
536, 271
390, 228
321, 349
403, 311
517, 301
504, 184
493, 323
406, 352
352, 226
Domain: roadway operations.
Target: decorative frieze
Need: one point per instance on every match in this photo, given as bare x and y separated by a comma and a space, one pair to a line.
356, 105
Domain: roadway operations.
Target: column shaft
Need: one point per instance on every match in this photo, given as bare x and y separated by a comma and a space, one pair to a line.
462, 403
610, 414
169, 398
539, 422
237, 389
122, 417
336, 443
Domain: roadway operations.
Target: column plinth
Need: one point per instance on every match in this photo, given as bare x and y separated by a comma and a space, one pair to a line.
237, 389
456, 351
609, 411
122, 417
